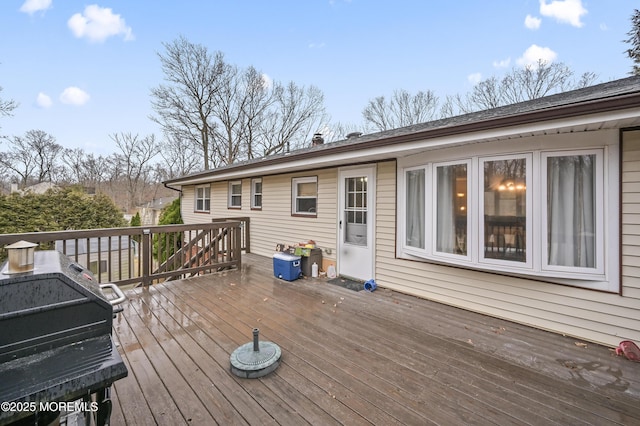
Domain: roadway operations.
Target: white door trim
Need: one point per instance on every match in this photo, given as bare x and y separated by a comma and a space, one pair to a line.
364, 267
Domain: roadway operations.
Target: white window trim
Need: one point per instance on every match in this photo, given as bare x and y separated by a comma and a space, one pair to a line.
606, 142
204, 198
528, 263
402, 198
433, 184
599, 219
231, 195
254, 181
294, 194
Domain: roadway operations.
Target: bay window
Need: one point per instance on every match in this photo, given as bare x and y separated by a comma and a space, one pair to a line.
481, 212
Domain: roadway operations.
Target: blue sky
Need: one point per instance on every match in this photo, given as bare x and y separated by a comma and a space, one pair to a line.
82, 71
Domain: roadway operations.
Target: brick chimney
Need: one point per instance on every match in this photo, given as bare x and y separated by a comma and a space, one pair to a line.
317, 139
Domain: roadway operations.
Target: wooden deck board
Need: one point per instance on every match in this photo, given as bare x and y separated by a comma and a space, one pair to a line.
352, 358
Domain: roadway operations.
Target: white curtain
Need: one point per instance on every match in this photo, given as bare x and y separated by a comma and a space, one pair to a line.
446, 224
571, 226
415, 208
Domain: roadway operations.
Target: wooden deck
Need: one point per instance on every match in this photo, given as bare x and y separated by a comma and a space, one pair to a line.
352, 358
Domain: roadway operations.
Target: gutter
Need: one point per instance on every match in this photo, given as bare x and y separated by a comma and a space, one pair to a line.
166, 185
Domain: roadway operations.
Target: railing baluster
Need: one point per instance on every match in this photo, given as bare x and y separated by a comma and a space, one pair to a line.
189, 249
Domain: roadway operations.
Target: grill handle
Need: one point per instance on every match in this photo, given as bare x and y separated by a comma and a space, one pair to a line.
120, 297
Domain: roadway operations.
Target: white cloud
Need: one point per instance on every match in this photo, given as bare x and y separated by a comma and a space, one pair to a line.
474, 78
98, 23
604, 27
74, 96
267, 82
535, 53
504, 63
532, 22
32, 6
566, 11
43, 100
316, 45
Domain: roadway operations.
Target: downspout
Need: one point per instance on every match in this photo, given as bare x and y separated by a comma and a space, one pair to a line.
179, 196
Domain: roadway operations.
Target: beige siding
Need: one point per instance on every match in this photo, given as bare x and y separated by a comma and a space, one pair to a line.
631, 216
590, 315
274, 223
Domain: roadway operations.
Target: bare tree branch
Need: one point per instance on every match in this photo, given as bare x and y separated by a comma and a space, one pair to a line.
185, 104
401, 110
134, 162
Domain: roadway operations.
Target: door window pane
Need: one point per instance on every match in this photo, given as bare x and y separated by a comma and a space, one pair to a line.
571, 211
355, 212
451, 209
505, 209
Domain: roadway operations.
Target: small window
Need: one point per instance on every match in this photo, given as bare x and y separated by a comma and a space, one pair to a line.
203, 198
235, 194
304, 196
256, 193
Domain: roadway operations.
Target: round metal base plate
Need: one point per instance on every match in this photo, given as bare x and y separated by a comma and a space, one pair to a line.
250, 364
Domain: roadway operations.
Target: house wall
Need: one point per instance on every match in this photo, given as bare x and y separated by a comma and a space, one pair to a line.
274, 223
596, 316
631, 216
590, 315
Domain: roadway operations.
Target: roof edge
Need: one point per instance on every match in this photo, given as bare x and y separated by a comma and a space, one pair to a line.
588, 107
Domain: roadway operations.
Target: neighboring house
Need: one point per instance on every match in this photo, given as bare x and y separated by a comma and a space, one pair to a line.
99, 255
38, 188
151, 211
528, 212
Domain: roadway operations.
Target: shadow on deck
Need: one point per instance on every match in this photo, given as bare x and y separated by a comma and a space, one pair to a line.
352, 358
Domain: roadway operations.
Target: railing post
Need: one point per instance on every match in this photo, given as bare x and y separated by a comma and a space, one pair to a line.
247, 235
146, 257
237, 249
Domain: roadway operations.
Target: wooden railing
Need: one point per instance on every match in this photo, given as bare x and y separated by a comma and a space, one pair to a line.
144, 255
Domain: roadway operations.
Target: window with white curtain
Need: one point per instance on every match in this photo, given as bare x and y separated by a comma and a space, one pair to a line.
573, 192
480, 212
415, 218
451, 210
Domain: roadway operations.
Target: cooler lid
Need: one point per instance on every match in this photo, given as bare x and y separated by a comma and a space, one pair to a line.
285, 256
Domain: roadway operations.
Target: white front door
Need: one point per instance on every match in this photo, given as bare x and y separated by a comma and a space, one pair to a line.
356, 217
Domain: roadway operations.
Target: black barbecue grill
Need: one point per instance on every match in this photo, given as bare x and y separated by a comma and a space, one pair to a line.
55, 342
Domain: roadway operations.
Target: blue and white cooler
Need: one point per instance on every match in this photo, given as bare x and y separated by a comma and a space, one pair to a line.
286, 266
